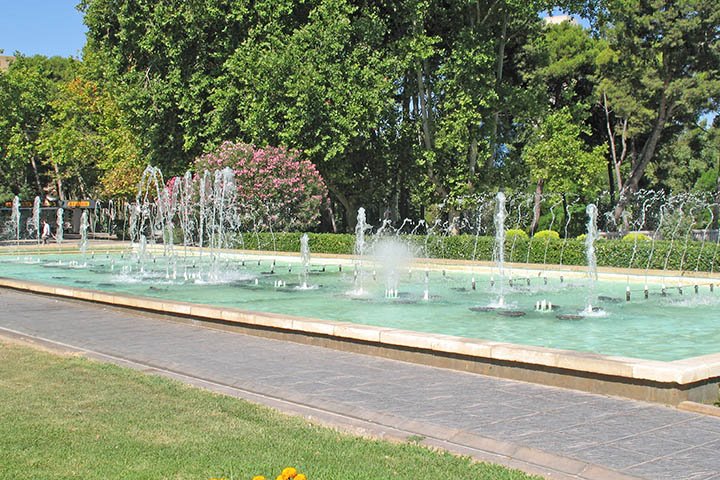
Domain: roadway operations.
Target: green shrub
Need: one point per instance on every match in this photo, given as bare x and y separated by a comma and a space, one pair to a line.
542, 234
636, 237
515, 232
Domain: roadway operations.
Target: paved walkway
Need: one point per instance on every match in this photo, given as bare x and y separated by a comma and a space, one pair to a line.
559, 433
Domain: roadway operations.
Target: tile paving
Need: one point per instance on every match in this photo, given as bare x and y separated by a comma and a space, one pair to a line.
556, 432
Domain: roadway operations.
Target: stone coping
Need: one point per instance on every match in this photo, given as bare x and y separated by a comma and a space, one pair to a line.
674, 374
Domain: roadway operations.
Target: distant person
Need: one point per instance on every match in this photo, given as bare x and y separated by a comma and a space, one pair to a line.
45, 232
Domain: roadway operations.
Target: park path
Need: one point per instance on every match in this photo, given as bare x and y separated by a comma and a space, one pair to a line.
558, 433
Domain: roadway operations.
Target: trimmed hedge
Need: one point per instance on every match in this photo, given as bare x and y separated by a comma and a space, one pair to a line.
661, 254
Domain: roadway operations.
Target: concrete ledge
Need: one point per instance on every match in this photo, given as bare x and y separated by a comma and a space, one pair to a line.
672, 383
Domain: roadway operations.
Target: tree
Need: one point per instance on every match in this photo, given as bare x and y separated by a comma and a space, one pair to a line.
26, 92
162, 57
660, 70
86, 139
559, 160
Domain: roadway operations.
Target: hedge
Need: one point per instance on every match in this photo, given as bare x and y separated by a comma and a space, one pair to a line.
661, 254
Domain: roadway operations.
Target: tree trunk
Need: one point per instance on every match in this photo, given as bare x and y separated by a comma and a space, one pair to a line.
499, 65
428, 141
58, 182
615, 159
348, 205
644, 158
537, 200
37, 176
472, 164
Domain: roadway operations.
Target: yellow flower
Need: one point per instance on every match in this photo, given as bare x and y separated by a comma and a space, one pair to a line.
280, 477
301, 476
288, 473
258, 477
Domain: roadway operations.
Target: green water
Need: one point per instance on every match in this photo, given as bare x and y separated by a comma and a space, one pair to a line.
670, 327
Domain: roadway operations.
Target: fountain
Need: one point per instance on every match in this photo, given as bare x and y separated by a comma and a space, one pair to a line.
359, 250
523, 304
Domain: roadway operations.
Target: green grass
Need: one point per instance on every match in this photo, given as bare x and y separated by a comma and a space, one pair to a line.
68, 417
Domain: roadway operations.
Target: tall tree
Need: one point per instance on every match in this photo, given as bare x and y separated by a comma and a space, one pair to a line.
86, 139
164, 55
661, 69
26, 92
559, 159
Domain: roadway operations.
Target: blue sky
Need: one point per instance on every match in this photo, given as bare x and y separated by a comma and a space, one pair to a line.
41, 27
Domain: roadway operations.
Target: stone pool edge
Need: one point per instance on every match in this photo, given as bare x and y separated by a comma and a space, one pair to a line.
695, 379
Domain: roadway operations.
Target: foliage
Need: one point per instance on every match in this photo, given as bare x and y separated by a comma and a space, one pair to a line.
403, 107
88, 143
273, 183
688, 161
27, 91
659, 70
557, 155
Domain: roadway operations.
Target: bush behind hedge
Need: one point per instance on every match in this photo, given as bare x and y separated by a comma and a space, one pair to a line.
661, 254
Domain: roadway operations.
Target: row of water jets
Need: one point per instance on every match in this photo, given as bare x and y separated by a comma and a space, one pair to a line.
205, 211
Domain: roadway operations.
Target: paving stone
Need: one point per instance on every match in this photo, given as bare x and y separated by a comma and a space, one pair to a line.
669, 468
615, 458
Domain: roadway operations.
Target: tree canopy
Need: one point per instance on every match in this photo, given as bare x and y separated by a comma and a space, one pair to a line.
402, 106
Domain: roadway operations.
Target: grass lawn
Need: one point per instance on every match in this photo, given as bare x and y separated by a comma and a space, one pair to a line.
68, 417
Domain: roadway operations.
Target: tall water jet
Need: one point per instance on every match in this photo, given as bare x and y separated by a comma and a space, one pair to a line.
36, 218
60, 223
590, 238
500, 215
305, 259
15, 219
84, 225
360, 228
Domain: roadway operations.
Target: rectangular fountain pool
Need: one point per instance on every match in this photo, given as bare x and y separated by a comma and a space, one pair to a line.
435, 305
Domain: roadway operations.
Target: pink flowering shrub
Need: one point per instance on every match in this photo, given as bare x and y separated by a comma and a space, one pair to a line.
274, 184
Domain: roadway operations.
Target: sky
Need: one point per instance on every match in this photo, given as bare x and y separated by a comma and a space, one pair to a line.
41, 27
